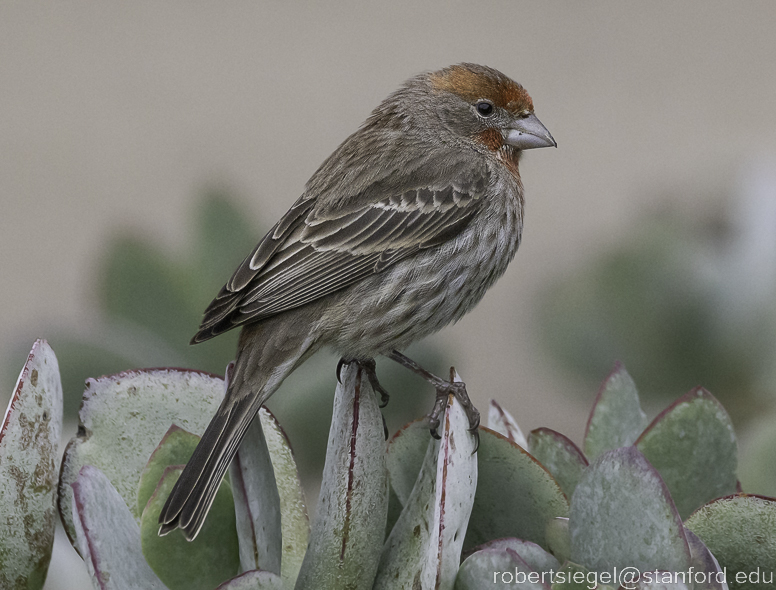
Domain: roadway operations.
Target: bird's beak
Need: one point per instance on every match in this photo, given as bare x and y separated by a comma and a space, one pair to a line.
529, 133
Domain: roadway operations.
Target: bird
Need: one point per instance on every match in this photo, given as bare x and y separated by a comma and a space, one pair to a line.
398, 233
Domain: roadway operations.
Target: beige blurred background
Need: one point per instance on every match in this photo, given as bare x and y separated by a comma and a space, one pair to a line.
114, 115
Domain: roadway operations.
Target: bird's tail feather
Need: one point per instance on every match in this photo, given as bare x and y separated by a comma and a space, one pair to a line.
194, 492
260, 368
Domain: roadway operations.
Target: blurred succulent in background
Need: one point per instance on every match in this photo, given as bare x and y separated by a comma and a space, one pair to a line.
150, 301
687, 298
662, 498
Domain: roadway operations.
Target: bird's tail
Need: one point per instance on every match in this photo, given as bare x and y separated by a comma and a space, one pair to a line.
258, 372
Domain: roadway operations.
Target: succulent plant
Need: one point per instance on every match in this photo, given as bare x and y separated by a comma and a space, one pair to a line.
630, 491
29, 441
537, 512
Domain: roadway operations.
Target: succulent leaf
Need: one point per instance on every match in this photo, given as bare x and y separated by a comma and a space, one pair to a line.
693, 447
254, 580
616, 419
622, 516
203, 563
559, 455
256, 503
407, 450
175, 448
29, 454
534, 556
424, 548
662, 581
501, 421
740, 531
559, 538
497, 568
516, 495
122, 419
347, 531
703, 561
394, 511
497, 563
294, 522
107, 536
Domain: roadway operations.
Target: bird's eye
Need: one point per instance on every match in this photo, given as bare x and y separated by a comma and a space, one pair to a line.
484, 108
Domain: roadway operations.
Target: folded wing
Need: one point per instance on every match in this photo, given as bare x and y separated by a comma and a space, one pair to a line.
313, 252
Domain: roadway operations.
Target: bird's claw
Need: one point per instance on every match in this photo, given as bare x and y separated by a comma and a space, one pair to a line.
341, 363
384, 397
370, 367
476, 433
440, 402
457, 389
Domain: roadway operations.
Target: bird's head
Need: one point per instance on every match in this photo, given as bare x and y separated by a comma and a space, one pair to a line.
480, 104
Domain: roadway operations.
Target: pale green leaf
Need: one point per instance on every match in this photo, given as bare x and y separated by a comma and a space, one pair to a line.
501, 421
573, 576
616, 419
740, 531
559, 455
122, 419
254, 580
256, 503
406, 451
347, 530
559, 538
516, 496
424, 548
175, 448
494, 568
693, 447
29, 457
203, 563
294, 522
622, 516
702, 560
107, 535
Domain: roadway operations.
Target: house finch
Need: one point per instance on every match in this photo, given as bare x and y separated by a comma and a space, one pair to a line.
399, 233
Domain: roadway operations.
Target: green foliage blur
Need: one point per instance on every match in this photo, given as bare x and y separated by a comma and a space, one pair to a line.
688, 298
668, 302
150, 304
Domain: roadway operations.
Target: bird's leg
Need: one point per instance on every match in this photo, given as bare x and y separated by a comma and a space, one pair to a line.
443, 389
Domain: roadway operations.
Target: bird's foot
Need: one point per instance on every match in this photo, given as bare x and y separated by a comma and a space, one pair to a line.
369, 366
443, 390
457, 389
371, 372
